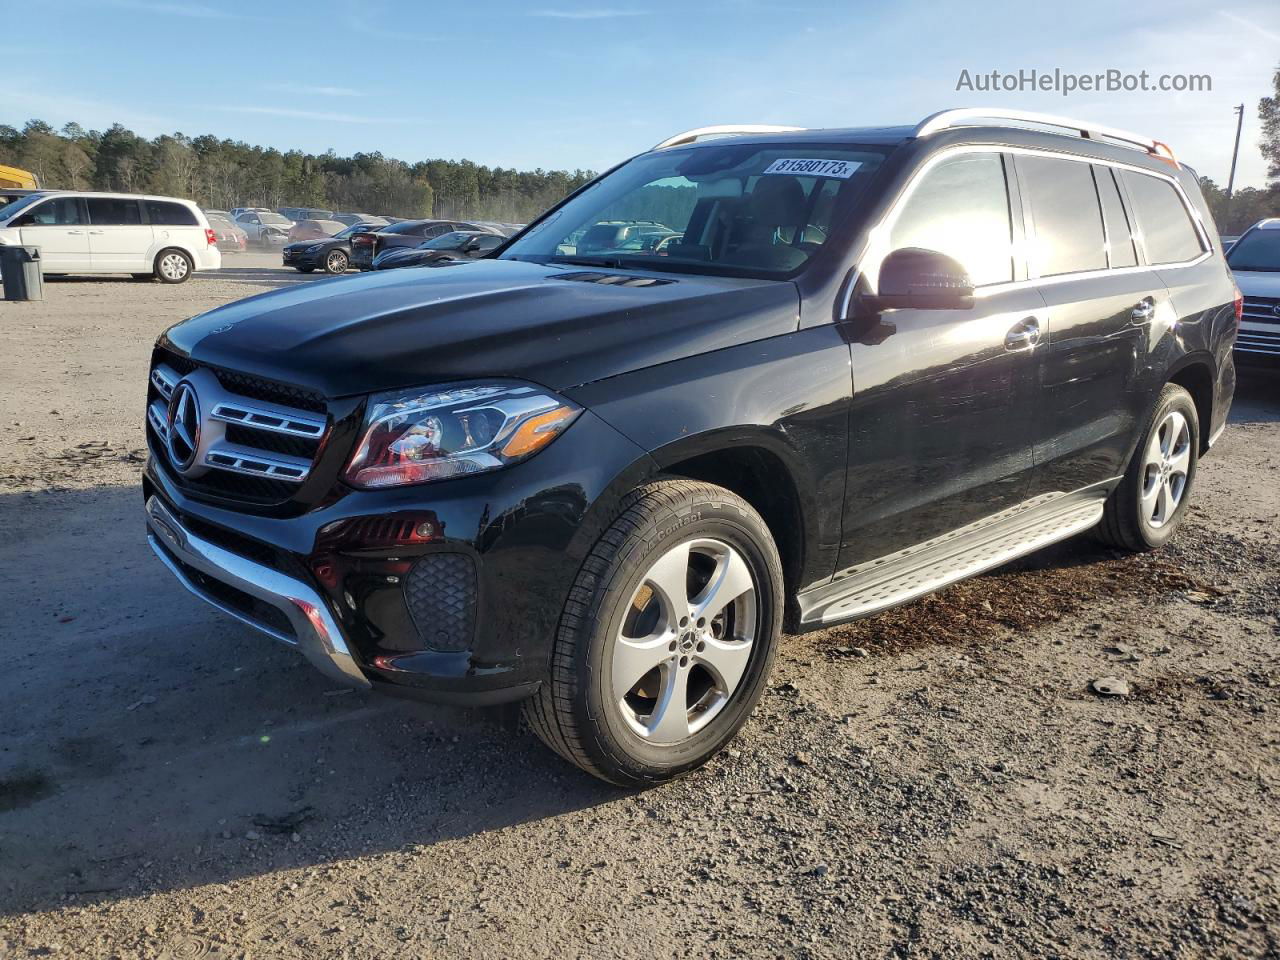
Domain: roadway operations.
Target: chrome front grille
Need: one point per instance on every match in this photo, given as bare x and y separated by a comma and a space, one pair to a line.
1266, 342
1262, 309
242, 443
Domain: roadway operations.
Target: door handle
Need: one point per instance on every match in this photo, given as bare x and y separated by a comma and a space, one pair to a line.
75, 232
96, 233
1144, 310
1024, 335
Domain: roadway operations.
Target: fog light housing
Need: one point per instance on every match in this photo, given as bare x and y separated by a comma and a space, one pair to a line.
440, 592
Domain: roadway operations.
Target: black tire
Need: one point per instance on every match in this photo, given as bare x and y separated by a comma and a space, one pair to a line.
1125, 524
305, 269
574, 711
336, 262
172, 255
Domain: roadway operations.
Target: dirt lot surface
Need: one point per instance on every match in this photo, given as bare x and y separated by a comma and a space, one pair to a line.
936, 781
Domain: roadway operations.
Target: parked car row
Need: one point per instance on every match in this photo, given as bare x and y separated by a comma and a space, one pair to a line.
367, 244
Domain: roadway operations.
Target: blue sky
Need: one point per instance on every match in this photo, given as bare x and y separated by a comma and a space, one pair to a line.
554, 83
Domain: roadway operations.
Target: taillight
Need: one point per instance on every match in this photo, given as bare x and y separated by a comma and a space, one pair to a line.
211, 237
1238, 306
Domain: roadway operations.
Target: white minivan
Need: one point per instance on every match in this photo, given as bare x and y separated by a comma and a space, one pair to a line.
160, 237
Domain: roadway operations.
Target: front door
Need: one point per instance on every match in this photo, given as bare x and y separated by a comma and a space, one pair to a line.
58, 228
944, 401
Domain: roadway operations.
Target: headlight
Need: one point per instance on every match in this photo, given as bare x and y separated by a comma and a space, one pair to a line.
314, 248
416, 436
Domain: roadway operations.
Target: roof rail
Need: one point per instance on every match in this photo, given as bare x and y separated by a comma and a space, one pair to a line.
722, 130
968, 116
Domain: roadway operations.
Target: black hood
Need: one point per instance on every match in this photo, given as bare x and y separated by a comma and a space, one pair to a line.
483, 318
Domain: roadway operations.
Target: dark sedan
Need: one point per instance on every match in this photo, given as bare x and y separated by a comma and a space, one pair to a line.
330, 254
408, 233
449, 247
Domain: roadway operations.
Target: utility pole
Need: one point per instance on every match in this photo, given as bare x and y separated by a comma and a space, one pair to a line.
1235, 153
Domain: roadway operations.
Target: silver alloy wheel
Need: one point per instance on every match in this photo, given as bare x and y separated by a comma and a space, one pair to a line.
1164, 470
685, 642
337, 259
174, 266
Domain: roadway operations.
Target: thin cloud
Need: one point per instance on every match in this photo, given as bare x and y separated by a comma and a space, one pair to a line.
313, 115
193, 10
1249, 24
596, 14
315, 91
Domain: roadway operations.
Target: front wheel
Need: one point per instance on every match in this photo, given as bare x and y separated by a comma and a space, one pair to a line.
667, 638
1150, 503
336, 262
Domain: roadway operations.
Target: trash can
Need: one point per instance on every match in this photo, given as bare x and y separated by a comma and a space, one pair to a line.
20, 273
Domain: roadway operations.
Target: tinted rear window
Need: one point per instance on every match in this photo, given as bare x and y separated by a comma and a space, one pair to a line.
1166, 226
408, 226
166, 214
1068, 221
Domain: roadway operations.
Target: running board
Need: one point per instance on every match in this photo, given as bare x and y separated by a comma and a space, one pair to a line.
926, 567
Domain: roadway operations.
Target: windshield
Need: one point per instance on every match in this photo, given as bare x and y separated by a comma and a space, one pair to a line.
1256, 250
9, 209
731, 209
407, 226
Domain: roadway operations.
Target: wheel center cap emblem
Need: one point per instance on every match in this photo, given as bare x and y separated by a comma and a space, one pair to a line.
183, 422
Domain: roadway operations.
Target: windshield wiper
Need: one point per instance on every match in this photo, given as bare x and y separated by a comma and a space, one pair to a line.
613, 263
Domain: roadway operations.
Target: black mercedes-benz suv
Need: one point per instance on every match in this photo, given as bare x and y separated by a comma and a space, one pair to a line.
859, 365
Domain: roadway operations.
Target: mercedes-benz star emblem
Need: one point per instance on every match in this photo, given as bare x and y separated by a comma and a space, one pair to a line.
184, 426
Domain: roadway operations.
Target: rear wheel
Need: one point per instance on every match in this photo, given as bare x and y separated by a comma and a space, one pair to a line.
1149, 505
336, 262
173, 266
667, 638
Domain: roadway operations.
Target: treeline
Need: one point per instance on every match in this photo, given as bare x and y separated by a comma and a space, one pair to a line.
1245, 208
224, 173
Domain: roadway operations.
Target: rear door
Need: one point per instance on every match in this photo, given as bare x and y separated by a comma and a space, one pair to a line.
175, 225
58, 228
119, 240
944, 401
1105, 311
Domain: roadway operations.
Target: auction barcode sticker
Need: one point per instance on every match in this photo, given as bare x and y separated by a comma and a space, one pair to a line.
843, 169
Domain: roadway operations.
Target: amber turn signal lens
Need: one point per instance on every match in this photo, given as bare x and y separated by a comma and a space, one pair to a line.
536, 432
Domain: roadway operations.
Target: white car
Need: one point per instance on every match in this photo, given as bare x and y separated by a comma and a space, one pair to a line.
1254, 259
161, 237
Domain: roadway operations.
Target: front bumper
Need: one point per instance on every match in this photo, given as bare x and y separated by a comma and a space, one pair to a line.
323, 577
198, 564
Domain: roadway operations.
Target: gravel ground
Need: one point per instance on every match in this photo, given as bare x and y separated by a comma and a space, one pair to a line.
935, 781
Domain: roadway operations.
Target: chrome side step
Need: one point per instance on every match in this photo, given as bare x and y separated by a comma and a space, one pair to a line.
889, 581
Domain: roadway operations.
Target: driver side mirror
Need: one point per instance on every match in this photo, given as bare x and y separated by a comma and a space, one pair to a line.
920, 279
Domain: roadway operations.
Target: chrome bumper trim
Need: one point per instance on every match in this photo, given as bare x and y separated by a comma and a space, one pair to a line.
316, 632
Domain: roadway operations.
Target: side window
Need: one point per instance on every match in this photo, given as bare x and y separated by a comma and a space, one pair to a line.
64, 211
961, 208
165, 214
1119, 234
1166, 227
113, 212
1067, 218
435, 230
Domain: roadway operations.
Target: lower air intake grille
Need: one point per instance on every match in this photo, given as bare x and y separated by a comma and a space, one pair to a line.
440, 592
